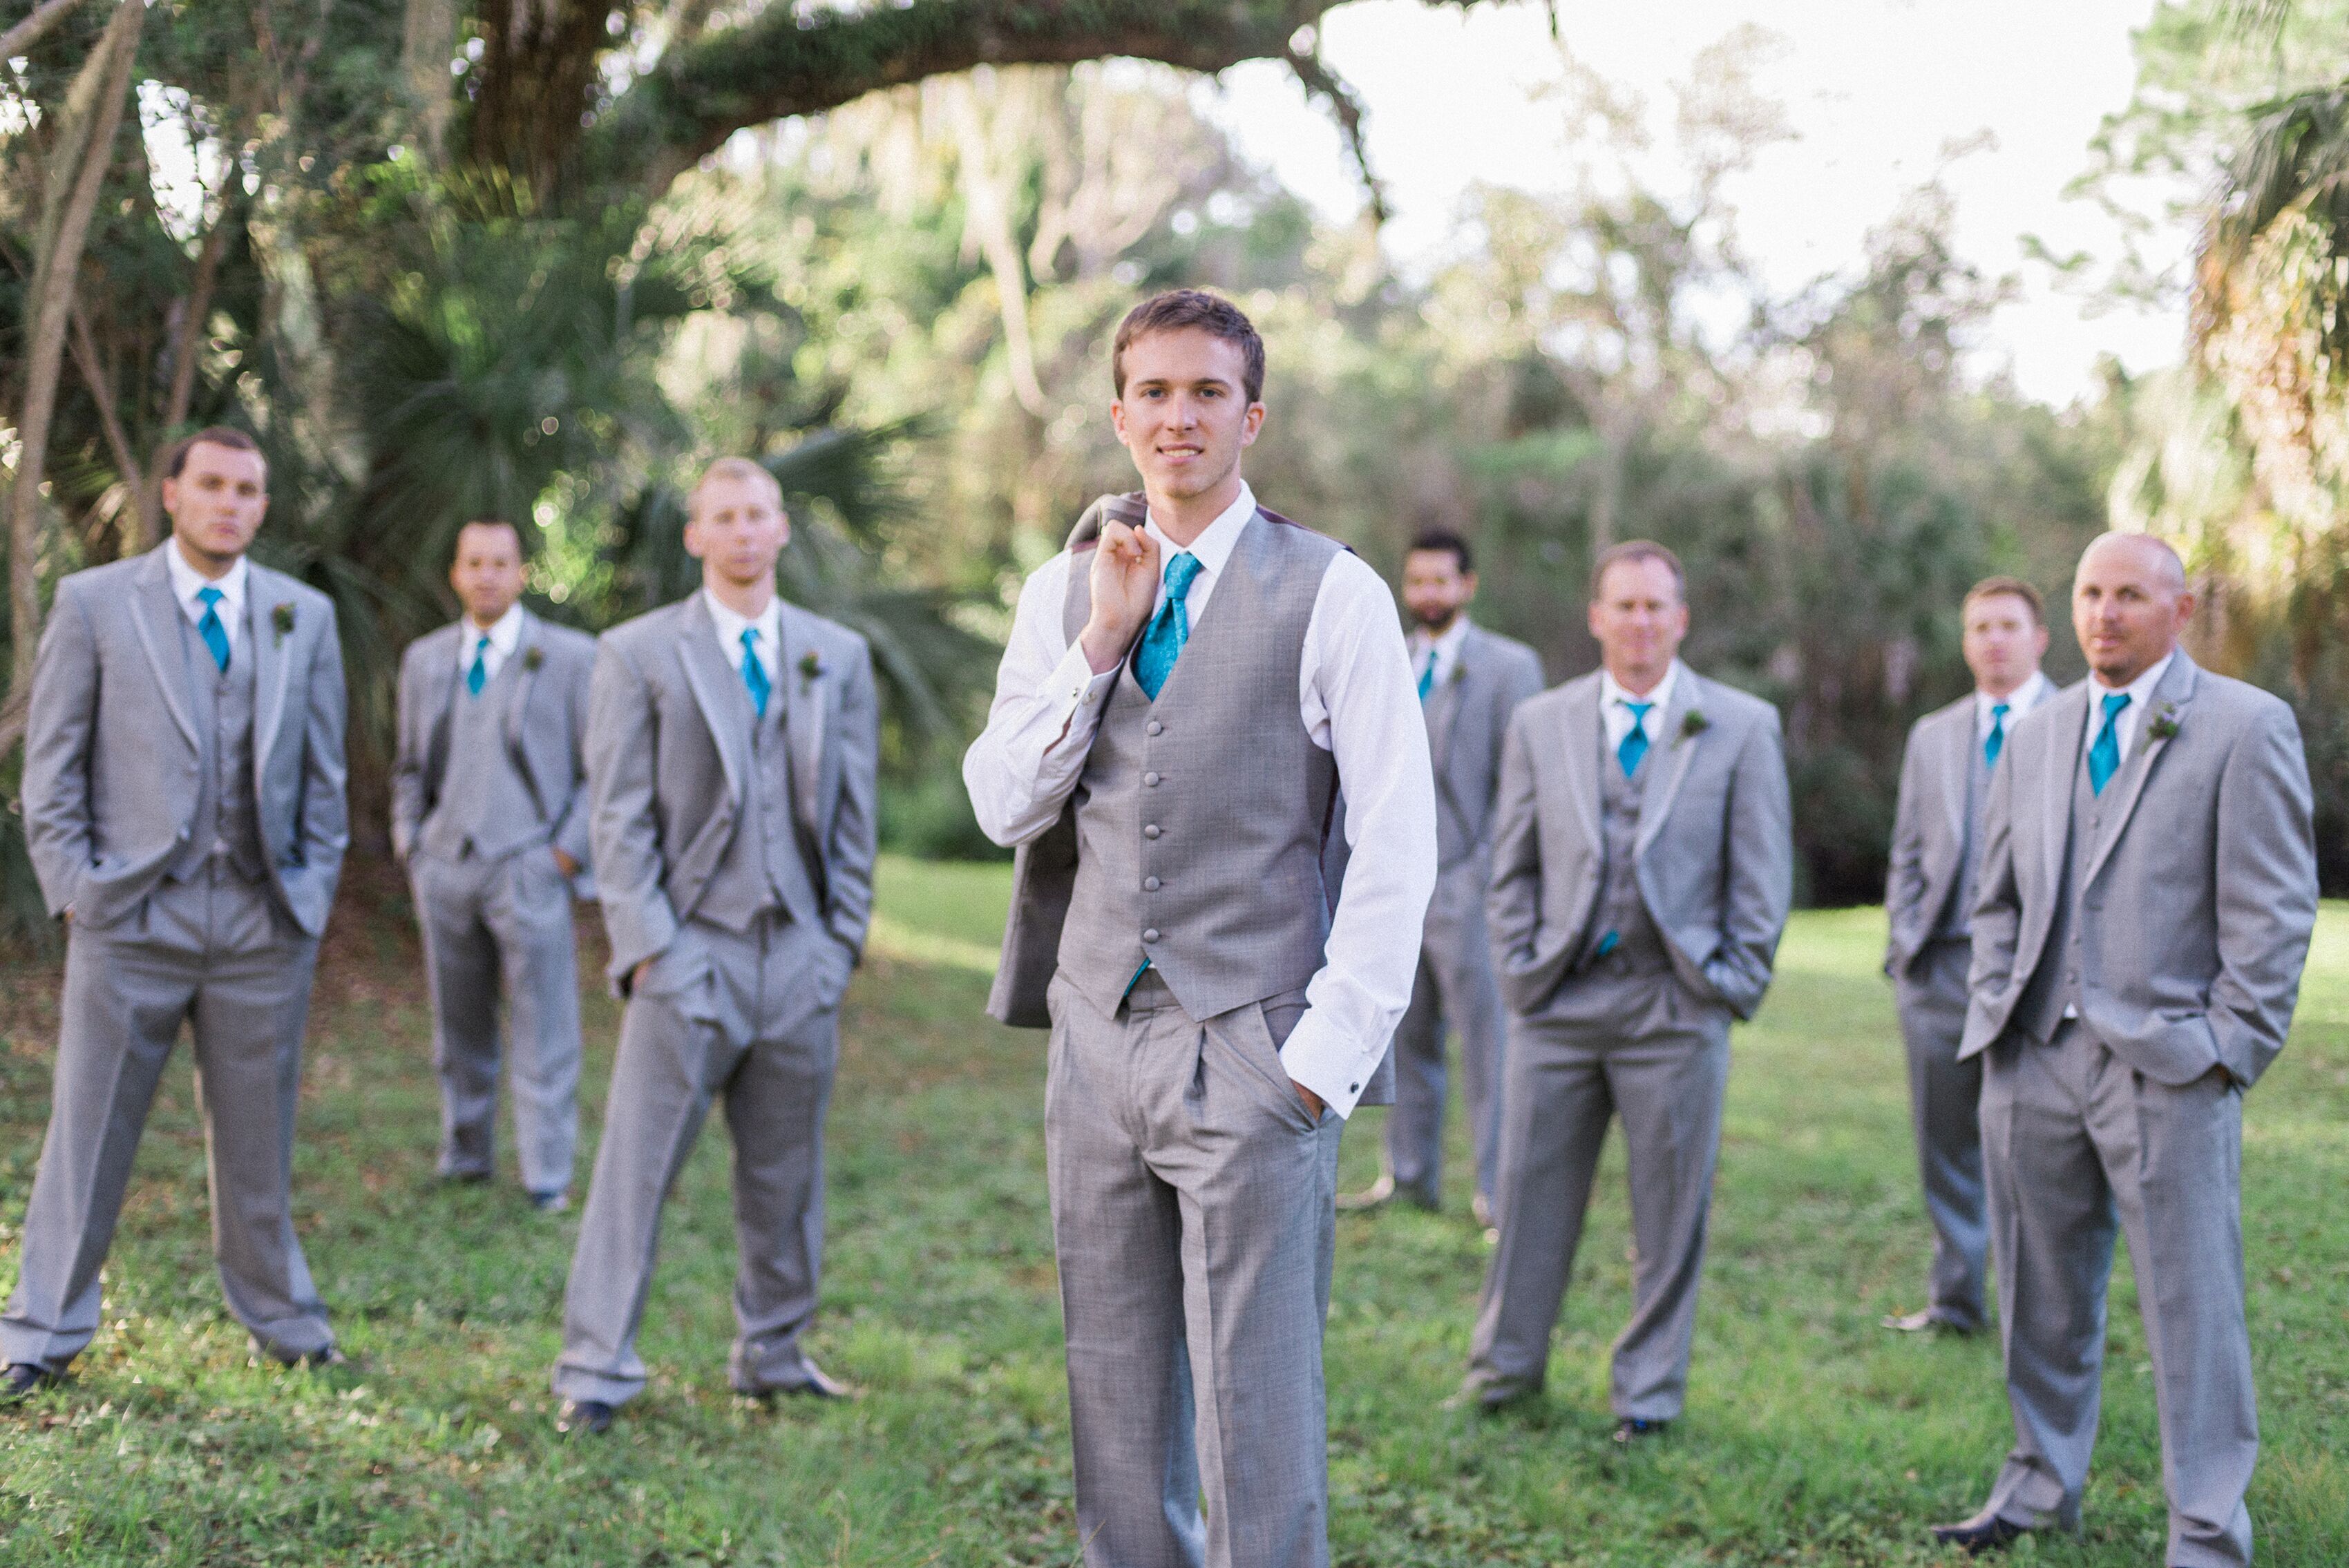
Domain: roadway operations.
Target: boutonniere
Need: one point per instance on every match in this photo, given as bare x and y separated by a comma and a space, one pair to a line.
533, 657
811, 665
282, 619
2163, 725
1694, 724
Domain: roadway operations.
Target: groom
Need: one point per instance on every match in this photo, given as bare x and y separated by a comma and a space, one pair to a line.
1186, 688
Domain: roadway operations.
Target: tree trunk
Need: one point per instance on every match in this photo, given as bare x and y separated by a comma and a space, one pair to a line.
78, 167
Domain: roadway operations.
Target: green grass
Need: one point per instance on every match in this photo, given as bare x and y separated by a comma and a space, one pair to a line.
1812, 1436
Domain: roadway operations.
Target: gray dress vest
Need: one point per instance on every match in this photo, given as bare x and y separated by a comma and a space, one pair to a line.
225, 823
764, 867
1621, 908
1453, 840
1201, 817
2056, 984
485, 805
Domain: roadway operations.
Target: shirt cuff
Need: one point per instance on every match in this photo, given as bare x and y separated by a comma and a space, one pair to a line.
1326, 1061
1079, 695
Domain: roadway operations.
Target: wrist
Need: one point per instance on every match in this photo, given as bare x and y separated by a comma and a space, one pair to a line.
1104, 646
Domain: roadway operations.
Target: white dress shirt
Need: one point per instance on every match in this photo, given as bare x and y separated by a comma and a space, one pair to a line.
187, 583
1447, 649
1358, 698
1613, 708
2127, 725
768, 624
2019, 701
504, 635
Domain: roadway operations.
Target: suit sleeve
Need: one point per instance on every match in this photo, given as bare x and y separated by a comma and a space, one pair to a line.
1760, 870
57, 733
1513, 900
1904, 883
407, 762
571, 833
325, 830
1998, 910
848, 856
623, 736
2266, 889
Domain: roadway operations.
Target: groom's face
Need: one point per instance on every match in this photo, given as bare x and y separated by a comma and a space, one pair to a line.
1184, 414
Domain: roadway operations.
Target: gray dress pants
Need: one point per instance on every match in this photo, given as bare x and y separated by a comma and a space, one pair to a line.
1194, 1223
2078, 1146
754, 1018
494, 927
1567, 1075
1453, 989
212, 952
1944, 1094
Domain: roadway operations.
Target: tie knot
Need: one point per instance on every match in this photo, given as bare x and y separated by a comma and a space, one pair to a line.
2114, 702
2000, 709
482, 645
210, 596
1180, 571
1639, 710
749, 639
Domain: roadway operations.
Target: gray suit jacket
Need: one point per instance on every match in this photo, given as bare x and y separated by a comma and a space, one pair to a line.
1715, 849
112, 758
1928, 829
667, 771
545, 729
1468, 719
2201, 892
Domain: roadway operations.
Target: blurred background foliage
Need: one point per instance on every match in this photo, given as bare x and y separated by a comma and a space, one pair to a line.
344, 225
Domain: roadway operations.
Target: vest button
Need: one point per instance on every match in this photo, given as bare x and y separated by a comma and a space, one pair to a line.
1150, 935
1150, 884
1157, 728
1151, 780
1151, 832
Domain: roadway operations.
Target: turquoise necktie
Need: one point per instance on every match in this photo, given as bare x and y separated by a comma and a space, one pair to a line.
1635, 739
1162, 644
754, 674
477, 676
1996, 743
1427, 676
214, 635
2105, 756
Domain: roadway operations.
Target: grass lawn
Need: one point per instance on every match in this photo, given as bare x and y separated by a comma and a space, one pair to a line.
1812, 1436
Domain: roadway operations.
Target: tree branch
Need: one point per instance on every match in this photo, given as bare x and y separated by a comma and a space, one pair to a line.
30, 31
1320, 81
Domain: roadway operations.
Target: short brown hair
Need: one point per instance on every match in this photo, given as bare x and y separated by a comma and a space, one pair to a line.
175, 458
742, 468
1179, 308
1636, 550
1433, 540
1990, 587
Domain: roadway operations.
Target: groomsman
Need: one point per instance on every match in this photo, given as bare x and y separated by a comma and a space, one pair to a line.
184, 812
1641, 871
489, 814
1929, 896
732, 750
1184, 688
1470, 681
2148, 885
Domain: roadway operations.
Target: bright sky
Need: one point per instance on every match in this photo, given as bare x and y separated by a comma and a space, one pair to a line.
1876, 89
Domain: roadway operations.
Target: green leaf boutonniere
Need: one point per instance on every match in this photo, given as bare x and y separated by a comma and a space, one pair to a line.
2163, 725
533, 657
1694, 724
282, 620
811, 665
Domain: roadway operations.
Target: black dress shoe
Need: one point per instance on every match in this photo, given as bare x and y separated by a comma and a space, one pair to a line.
1980, 1535
1632, 1429
20, 1380
590, 1416
1932, 1320
1386, 1190
817, 1385
554, 1202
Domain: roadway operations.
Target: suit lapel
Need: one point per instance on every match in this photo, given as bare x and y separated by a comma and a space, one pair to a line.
1584, 734
518, 702
2071, 713
704, 672
1679, 749
805, 707
2169, 699
153, 611
440, 701
269, 667
1957, 772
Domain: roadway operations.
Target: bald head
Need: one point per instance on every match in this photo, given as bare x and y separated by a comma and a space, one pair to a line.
2130, 604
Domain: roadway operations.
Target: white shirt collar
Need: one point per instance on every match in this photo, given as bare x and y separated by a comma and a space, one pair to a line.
187, 583
1446, 646
2019, 701
504, 633
2140, 695
1216, 542
730, 627
1610, 693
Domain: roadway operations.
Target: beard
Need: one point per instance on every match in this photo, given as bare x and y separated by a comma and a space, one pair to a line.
1435, 620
